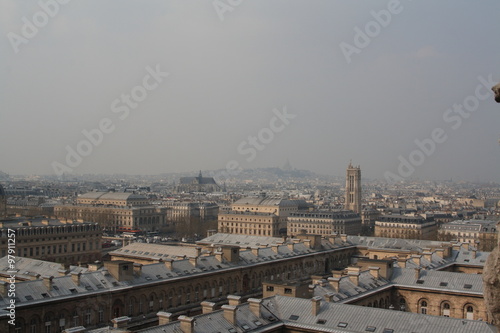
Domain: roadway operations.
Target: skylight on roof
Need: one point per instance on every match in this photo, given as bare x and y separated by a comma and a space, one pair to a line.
443, 284
342, 324
467, 286
370, 329
293, 317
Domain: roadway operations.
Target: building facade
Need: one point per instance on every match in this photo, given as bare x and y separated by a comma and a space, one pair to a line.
112, 219
324, 223
61, 241
245, 223
406, 227
114, 199
280, 207
124, 288
481, 233
115, 210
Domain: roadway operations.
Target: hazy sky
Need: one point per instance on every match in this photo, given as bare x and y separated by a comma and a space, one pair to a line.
345, 86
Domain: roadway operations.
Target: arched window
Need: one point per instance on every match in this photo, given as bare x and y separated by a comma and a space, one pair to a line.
423, 307
33, 325
469, 312
445, 309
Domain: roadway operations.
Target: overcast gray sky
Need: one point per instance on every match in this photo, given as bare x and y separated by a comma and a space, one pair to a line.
230, 64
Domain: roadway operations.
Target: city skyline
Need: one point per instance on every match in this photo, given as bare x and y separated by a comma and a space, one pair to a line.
401, 88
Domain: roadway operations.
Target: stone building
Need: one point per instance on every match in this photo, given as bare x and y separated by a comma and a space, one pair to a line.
295, 315
324, 223
425, 283
248, 208
116, 210
124, 288
246, 223
481, 233
197, 184
115, 199
62, 241
185, 210
406, 227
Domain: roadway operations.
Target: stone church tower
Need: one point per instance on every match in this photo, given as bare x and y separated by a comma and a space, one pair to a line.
353, 189
3, 203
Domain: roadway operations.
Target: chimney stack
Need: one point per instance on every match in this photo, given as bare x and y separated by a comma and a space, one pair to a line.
473, 253
329, 297
4, 288
375, 272
169, 263
137, 269
192, 261
354, 277
417, 273
164, 317
76, 278
334, 283
218, 256
255, 251
343, 237
207, 307
47, 282
254, 305
198, 251
440, 252
234, 300
316, 305
187, 324
120, 322
337, 273
230, 313
402, 262
416, 259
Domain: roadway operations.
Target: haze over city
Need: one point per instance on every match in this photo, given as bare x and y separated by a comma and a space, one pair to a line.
317, 83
